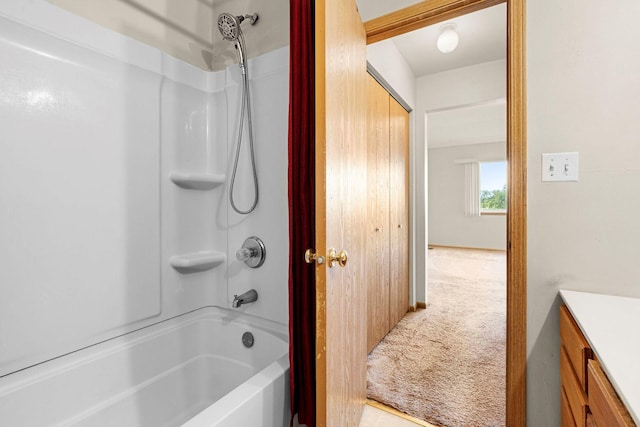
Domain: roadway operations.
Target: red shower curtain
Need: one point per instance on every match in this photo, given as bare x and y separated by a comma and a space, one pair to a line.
302, 290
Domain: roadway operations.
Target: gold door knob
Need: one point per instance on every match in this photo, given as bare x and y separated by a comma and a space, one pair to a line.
338, 257
310, 257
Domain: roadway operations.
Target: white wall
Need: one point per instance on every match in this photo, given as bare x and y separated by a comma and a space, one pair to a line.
376, 8
448, 226
187, 29
583, 95
467, 85
90, 137
387, 60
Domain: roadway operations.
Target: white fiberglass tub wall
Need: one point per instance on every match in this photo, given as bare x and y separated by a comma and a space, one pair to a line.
270, 100
100, 239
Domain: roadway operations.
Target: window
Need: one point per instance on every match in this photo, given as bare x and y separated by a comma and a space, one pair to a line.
493, 188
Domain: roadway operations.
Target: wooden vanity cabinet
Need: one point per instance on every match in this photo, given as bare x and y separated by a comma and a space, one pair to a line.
577, 407
605, 406
587, 396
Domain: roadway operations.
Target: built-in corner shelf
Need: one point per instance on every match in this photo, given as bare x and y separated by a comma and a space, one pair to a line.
197, 261
196, 181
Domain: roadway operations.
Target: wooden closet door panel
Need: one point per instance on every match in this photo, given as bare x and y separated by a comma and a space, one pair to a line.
399, 212
377, 212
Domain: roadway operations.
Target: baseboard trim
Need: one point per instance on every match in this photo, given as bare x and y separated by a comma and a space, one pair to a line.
412, 308
397, 413
421, 305
466, 248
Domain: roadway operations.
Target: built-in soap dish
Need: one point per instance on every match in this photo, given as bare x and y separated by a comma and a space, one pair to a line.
197, 261
196, 181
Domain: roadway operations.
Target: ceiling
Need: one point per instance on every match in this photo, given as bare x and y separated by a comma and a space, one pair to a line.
483, 38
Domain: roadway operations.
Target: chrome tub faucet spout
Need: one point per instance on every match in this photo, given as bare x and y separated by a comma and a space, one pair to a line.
247, 297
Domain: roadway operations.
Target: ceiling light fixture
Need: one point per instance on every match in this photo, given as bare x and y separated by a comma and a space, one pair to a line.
448, 38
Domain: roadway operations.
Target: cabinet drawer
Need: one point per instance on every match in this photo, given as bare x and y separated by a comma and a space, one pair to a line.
565, 412
576, 397
605, 405
576, 346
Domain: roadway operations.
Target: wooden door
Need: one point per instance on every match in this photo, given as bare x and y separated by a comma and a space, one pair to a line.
399, 212
341, 209
377, 212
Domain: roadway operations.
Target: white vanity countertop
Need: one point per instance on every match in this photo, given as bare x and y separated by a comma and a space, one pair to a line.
611, 325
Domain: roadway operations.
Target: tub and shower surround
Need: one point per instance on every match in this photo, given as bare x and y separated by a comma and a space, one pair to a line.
113, 161
88, 143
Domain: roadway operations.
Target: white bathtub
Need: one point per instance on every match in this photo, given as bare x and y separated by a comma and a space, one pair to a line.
192, 370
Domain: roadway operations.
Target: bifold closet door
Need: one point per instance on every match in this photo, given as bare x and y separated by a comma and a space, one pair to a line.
398, 212
377, 212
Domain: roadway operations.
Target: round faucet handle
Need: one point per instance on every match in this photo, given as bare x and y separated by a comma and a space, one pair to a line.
252, 252
244, 254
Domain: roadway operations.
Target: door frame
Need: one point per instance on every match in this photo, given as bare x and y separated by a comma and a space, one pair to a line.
431, 12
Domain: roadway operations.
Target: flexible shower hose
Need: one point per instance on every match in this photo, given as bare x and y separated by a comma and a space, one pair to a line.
245, 106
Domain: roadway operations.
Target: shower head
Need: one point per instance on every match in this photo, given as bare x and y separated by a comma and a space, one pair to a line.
229, 26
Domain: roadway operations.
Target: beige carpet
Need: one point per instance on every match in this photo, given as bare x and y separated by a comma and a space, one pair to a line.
446, 364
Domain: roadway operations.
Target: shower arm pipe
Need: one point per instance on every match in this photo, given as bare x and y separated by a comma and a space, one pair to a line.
252, 18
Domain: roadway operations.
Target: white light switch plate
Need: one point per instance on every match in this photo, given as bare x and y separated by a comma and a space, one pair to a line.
560, 167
